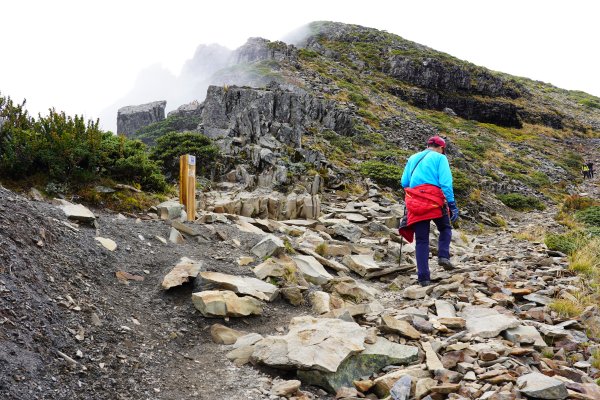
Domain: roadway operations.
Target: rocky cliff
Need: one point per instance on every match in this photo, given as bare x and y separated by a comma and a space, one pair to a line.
131, 118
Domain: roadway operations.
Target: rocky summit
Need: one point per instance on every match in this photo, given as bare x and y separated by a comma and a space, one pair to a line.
290, 280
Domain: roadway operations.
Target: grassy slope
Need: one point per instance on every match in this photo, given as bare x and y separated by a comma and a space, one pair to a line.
487, 152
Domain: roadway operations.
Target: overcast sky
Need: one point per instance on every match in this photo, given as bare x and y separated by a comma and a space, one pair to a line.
81, 56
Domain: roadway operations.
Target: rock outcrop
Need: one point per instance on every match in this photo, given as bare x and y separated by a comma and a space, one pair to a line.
132, 118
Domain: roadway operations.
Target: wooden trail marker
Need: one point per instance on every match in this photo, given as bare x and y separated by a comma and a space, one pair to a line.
187, 184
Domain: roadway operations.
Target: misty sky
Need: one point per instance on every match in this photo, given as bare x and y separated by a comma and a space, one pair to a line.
82, 56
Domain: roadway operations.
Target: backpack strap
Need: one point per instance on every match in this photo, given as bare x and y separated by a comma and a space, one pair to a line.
417, 164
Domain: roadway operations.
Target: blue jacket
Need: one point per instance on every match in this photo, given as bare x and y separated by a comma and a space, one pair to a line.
434, 170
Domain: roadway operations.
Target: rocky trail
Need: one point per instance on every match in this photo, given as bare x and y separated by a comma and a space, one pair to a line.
322, 299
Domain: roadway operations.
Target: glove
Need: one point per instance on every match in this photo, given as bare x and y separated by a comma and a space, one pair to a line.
453, 211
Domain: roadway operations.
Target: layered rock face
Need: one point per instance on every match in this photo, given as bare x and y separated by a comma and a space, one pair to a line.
262, 126
251, 114
132, 118
436, 81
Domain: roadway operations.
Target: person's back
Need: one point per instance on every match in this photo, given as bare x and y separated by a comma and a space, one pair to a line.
429, 167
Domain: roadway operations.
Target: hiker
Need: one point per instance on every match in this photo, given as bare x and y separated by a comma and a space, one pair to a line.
590, 170
585, 169
427, 182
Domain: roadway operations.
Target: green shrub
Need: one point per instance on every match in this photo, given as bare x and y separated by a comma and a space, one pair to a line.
171, 146
565, 242
68, 149
462, 184
380, 172
589, 216
521, 202
150, 133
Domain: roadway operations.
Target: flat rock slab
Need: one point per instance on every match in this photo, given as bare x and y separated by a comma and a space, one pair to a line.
361, 264
241, 284
538, 298
306, 223
108, 244
185, 270
78, 212
526, 335
444, 309
225, 303
403, 328
352, 217
375, 356
312, 343
273, 267
540, 386
486, 322
312, 270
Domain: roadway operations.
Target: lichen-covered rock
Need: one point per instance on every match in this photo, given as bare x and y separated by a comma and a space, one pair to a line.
375, 356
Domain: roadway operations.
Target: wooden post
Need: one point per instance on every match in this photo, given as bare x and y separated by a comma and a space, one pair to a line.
187, 185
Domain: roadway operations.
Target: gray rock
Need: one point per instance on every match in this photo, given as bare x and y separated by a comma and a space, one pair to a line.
361, 264
525, 334
401, 389
540, 386
169, 210
487, 323
371, 360
312, 270
347, 231
268, 246
78, 212
312, 343
131, 118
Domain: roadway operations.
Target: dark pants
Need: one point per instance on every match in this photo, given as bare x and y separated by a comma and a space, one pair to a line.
422, 244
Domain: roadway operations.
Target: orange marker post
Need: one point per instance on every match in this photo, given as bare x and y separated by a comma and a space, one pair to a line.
187, 184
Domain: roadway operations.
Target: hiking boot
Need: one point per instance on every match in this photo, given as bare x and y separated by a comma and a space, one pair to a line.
445, 263
424, 283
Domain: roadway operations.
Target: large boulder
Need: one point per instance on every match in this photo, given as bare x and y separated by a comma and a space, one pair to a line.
225, 303
312, 343
131, 118
240, 284
375, 356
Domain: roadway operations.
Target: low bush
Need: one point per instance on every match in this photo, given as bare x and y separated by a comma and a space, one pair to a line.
521, 202
576, 202
68, 149
383, 173
589, 216
566, 243
172, 145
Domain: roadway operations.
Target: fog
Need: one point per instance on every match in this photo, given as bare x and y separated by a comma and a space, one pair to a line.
93, 57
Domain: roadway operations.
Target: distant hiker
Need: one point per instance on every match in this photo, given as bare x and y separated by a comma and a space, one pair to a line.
427, 182
590, 169
585, 169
